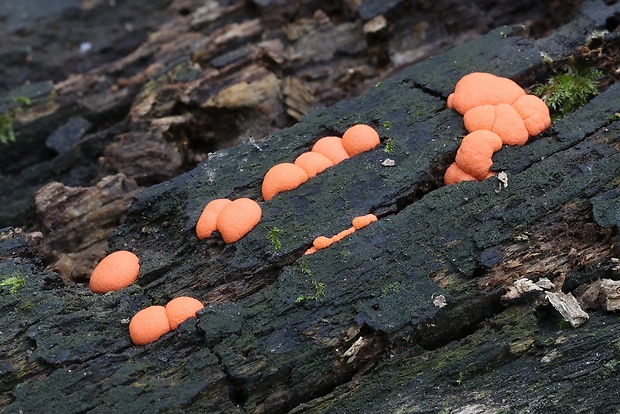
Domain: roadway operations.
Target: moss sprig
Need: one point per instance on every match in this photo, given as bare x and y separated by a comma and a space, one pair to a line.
570, 89
13, 283
7, 133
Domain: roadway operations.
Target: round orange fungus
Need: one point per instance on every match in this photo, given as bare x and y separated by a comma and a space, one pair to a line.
322, 242
180, 309
207, 223
455, 175
474, 155
493, 104
332, 148
363, 221
534, 112
313, 163
480, 88
116, 271
359, 138
238, 218
283, 177
149, 325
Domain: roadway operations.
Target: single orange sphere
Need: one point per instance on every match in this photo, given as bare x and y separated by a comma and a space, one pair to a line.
313, 163
181, 309
363, 221
207, 223
282, 177
359, 138
116, 271
332, 148
238, 218
322, 242
149, 325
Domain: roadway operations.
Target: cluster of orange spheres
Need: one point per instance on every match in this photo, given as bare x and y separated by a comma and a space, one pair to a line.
235, 219
496, 111
119, 270
326, 152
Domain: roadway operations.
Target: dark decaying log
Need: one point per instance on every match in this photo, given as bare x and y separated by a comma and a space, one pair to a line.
151, 97
412, 317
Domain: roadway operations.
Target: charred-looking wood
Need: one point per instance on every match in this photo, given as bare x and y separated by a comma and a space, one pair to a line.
430, 309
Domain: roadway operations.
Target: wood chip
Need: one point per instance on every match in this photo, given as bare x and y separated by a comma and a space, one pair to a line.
567, 305
610, 294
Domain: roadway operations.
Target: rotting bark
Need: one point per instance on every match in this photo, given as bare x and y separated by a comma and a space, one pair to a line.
376, 342
150, 99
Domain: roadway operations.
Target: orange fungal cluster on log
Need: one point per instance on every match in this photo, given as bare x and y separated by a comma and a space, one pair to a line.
150, 324
495, 111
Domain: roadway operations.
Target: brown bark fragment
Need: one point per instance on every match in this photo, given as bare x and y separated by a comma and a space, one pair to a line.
567, 306
78, 220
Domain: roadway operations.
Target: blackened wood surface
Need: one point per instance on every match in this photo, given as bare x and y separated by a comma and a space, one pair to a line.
376, 341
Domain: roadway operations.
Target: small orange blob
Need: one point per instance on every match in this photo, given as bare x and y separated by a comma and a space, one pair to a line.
455, 175
479, 88
332, 148
116, 271
313, 163
363, 221
282, 177
534, 112
502, 119
238, 218
149, 325
311, 250
359, 138
480, 117
322, 242
509, 126
181, 309
483, 141
344, 233
207, 223
474, 154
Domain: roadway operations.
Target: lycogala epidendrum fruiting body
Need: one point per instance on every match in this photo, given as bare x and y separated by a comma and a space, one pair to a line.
116, 271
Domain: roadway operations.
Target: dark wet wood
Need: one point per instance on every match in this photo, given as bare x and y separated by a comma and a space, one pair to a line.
379, 340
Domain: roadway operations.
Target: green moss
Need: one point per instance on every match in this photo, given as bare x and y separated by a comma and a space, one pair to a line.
7, 134
569, 90
389, 146
13, 282
318, 287
273, 238
319, 292
390, 288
